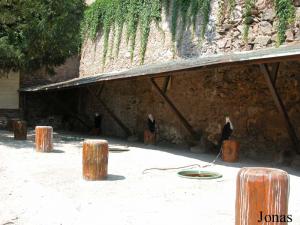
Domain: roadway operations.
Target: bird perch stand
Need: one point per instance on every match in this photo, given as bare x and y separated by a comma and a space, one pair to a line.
95, 159
11, 124
230, 151
262, 196
44, 138
20, 130
149, 137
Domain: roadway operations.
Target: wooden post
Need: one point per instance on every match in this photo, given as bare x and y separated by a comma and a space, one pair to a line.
166, 84
262, 197
43, 138
230, 151
20, 130
94, 159
11, 123
149, 137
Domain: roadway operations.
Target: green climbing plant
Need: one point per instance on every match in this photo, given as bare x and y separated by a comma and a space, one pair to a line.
225, 7
232, 4
285, 11
187, 11
249, 4
112, 18
221, 10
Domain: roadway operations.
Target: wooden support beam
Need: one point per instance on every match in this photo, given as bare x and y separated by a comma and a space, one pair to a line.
99, 92
280, 106
173, 107
274, 72
97, 98
166, 84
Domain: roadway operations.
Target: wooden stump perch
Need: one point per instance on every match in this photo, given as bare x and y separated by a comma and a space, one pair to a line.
43, 138
20, 130
11, 124
95, 159
230, 151
262, 194
149, 137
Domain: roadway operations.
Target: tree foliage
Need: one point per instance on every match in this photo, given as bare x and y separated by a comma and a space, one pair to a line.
37, 33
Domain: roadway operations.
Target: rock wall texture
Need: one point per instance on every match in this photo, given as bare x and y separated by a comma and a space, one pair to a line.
222, 36
57, 109
67, 71
204, 98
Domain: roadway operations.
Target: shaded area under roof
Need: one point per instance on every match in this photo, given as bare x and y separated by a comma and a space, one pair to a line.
269, 55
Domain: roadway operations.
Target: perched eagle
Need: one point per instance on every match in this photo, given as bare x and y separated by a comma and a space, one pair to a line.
227, 130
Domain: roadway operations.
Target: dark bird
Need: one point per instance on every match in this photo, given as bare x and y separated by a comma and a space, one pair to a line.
226, 132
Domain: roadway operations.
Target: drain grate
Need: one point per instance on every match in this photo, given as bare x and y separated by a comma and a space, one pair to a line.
118, 148
201, 175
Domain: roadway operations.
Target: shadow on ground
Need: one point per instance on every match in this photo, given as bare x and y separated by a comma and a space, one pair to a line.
76, 139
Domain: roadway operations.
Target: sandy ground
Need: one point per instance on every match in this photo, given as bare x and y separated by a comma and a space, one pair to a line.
48, 189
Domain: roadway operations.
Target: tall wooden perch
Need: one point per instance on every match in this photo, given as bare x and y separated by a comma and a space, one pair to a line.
262, 197
230, 151
20, 130
44, 138
95, 159
11, 124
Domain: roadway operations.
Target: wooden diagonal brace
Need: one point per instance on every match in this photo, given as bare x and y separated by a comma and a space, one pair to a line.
99, 92
174, 109
280, 106
274, 72
166, 84
96, 97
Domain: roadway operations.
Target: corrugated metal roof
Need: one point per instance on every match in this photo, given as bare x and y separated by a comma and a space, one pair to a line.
291, 52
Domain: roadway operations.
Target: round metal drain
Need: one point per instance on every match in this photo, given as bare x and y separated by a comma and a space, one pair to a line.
118, 148
201, 175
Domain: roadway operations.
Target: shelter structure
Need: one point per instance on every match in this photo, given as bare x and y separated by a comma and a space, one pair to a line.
189, 84
266, 61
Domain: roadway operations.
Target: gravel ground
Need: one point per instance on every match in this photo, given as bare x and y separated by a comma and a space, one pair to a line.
48, 189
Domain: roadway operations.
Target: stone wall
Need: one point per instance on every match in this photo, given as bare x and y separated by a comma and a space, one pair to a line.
204, 98
67, 71
58, 109
225, 36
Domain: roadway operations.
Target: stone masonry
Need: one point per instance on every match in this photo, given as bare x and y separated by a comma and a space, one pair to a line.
222, 36
204, 98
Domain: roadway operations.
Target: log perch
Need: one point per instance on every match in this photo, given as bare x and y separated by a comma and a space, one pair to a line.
149, 137
262, 194
230, 151
95, 159
44, 138
20, 130
11, 124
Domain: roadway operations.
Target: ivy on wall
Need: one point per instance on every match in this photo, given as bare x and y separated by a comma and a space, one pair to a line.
110, 17
187, 11
225, 7
285, 11
249, 5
